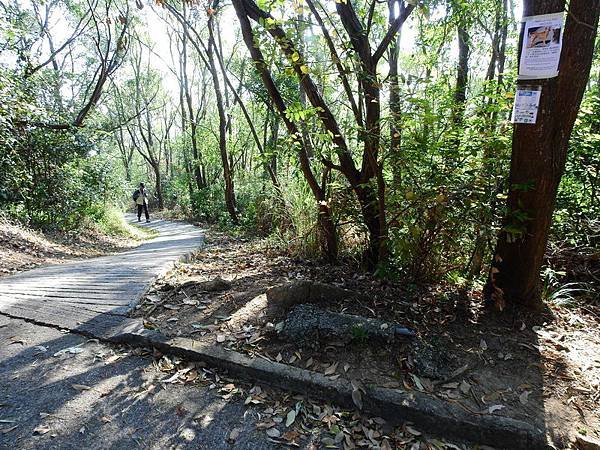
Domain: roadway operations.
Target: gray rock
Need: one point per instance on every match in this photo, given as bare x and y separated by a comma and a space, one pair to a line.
432, 361
309, 323
295, 292
214, 285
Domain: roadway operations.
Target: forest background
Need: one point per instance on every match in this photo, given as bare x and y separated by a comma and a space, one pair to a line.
303, 121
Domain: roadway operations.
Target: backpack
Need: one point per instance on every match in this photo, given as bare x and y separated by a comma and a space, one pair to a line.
136, 194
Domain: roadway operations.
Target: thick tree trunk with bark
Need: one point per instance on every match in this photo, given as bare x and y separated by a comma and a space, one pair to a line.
538, 160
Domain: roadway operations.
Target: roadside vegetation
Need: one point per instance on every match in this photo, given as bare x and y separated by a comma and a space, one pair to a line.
366, 144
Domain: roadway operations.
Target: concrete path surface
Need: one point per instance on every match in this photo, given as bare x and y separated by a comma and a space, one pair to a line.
93, 296
100, 396
59, 390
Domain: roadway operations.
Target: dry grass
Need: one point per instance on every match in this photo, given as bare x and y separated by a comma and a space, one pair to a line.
23, 249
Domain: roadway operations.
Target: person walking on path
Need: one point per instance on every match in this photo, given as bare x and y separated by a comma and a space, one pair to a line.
141, 200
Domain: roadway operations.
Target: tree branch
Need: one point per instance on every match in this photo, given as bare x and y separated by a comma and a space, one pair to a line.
391, 33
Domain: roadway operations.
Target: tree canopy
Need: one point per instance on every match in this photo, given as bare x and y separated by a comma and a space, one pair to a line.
377, 132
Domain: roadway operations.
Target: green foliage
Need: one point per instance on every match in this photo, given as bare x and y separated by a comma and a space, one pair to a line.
359, 334
110, 221
578, 201
445, 185
563, 294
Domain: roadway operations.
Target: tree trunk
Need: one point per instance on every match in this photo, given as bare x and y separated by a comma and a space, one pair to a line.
538, 160
158, 185
462, 75
227, 175
200, 181
325, 220
395, 104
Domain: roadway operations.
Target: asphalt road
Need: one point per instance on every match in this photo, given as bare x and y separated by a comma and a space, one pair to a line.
84, 399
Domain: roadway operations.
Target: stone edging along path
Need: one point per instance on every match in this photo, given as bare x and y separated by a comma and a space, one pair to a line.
94, 297
432, 415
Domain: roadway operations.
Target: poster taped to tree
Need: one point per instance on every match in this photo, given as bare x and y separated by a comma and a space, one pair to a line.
542, 44
527, 102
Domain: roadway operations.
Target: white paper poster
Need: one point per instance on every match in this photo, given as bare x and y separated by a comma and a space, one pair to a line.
527, 102
542, 44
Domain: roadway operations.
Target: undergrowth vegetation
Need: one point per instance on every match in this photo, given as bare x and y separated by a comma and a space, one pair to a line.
401, 168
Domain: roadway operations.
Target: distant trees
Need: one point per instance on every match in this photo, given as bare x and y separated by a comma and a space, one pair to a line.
51, 84
313, 122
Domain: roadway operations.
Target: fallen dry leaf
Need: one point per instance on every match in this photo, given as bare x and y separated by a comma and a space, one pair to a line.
291, 435
494, 408
524, 397
412, 431
357, 398
331, 369
273, 432
41, 429
464, 387
483, 344
235, 433
290, 418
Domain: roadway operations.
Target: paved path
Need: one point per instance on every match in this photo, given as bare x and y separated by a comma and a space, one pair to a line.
126, 408
94, 296
59, 390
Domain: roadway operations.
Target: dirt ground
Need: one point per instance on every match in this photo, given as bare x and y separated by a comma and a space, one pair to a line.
24, 249
544, 369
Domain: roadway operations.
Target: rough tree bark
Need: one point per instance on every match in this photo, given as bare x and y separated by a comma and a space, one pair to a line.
538, 160
462, 73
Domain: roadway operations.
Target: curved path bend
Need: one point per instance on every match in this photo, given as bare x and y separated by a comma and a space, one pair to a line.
94, 296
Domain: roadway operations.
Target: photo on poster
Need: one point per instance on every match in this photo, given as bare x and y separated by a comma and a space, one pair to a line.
542, 45
543, 37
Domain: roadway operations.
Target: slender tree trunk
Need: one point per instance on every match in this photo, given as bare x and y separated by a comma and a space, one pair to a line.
503, 38
462, 75
476, 262
325, 220
395, 104
158, 185
538, 160
197, 158
186, 159
501, 56
227, 172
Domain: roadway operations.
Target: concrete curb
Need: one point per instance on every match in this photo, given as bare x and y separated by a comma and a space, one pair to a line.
434, 415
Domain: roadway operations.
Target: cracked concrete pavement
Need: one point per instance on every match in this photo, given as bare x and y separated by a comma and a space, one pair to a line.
45, 403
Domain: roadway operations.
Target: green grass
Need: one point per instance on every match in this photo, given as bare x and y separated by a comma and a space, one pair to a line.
112, 223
